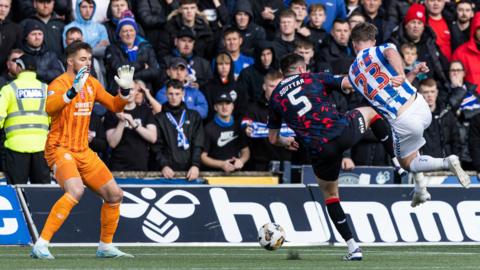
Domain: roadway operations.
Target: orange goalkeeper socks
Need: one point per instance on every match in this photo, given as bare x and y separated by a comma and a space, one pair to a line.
109, 216
59, 213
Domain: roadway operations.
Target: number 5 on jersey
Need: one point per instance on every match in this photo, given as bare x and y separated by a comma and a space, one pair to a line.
307, 106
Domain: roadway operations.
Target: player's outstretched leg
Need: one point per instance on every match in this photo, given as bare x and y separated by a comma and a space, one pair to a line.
335, 211
109, 216
59, 213
420, 193
423, 163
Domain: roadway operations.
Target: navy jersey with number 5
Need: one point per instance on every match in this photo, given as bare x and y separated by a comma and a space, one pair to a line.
303, 101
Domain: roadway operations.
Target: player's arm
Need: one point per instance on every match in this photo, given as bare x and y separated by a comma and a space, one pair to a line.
395, 60
58, 97
124, 79
418, 69
276, 139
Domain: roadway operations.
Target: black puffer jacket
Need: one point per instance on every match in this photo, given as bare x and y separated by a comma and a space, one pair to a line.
250, 80
49, 66
24, 9
53, 32
10, 37
152, 15
336, 57
116, 57
254, 34
427, 51
166, 150
216, 86
442, 135
204, 42
270, 26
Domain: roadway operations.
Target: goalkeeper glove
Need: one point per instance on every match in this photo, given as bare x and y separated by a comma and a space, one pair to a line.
124, 79
79, 82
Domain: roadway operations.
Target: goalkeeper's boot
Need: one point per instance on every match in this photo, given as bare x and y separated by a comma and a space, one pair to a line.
355, 255
420, 196
41, 252
112, 252
456, 168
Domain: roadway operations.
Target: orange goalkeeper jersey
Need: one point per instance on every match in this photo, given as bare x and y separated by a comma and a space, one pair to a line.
70, 119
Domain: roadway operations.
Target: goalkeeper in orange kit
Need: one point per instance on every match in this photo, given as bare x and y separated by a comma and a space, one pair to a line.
70, 100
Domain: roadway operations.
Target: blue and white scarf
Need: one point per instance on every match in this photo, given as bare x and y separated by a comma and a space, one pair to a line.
182, 140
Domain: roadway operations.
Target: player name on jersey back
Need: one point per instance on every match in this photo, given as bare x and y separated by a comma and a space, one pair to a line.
291, 83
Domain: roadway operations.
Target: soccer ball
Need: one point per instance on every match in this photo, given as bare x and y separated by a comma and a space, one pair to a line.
271, 236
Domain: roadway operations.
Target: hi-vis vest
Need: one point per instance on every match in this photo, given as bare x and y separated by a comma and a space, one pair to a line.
22, 114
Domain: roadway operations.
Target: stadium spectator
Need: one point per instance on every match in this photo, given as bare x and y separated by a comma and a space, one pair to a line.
223, 82
352, 6
316, 33
266, 14
187, 16
304, 48
25, 8
469, 53
409, 53
233, 40
440, 26
397, 9
251, 79
284, 42
144, 96
193, 97
225, 143
337, 55
198, 68
356, 18
114, 14
48, 65
180, 135
100, 13
461, 26
94, 33
216, 13
152, 16
334, 10
133, 50
465, 101
129, 135
375, 14
97, 139
11, 33
414, 29
75, 34
23, 116
442, 136
474, 143
12, 71
52, 25
252, 34
299, 7
254, 123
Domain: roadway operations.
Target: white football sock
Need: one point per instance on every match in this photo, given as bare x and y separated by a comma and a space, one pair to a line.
420, 181
428, 164
104, 246
42, 242
352, 245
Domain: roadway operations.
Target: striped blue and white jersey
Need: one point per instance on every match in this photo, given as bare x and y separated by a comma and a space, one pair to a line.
370, 75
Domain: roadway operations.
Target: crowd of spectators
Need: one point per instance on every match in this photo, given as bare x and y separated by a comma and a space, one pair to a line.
204, 70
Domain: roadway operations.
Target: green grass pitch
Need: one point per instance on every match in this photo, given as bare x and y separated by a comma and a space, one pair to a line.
228, 258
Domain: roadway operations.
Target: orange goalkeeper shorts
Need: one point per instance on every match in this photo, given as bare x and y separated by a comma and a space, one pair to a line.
86, 165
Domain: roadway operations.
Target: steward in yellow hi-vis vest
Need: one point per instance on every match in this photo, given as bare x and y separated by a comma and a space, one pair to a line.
23, 117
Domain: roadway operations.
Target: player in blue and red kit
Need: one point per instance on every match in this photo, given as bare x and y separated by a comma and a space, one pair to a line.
302, 100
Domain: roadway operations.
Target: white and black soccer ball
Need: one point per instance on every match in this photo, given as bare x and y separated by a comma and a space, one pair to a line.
271, 236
